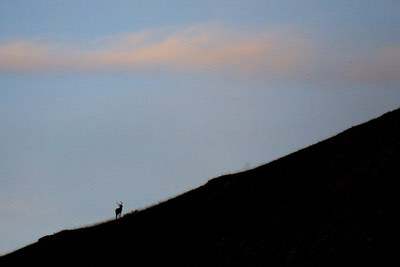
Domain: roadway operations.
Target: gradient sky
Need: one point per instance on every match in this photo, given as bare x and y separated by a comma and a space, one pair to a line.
138, 101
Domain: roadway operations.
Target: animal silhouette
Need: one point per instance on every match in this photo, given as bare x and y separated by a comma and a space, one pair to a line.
118, 211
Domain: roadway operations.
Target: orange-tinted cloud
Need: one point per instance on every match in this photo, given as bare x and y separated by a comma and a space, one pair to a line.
264, 53
383, 65
194, 48
23, 55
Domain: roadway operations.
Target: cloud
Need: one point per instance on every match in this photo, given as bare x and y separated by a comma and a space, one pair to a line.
192, 48
23, 55
263, 54
380, 66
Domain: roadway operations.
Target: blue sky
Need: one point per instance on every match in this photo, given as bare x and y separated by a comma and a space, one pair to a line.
138, 101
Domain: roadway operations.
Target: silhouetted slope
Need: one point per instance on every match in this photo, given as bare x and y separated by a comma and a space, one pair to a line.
326, 205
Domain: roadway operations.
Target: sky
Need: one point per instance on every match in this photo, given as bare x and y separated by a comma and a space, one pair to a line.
139, 101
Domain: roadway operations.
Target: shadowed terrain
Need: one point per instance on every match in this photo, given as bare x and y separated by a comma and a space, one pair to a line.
327, 205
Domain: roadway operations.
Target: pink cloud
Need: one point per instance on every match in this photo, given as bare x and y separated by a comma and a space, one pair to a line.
261, 54
193, 48
382, 65
23, 55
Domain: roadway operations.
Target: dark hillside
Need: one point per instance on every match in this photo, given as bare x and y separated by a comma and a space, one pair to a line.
326, 205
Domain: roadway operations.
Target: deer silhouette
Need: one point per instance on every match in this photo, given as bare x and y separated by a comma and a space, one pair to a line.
118, 211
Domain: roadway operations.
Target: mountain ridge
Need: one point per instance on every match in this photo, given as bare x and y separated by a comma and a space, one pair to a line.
324, 205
